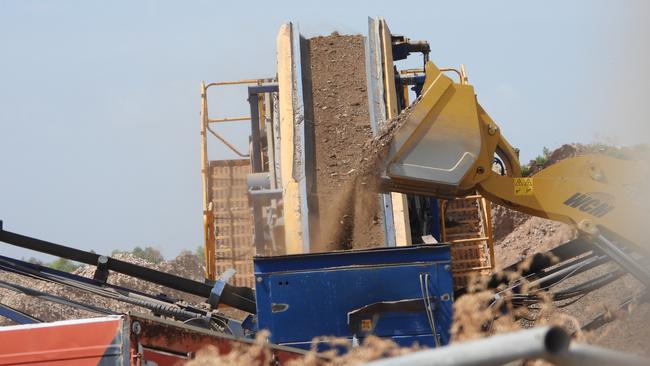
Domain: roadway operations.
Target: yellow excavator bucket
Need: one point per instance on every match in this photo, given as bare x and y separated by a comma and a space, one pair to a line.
446, 142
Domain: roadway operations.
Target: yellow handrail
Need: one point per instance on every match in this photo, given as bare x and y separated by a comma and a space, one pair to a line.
210, 243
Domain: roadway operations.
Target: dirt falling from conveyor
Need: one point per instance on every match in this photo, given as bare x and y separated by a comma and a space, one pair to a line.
346, 155
348, 207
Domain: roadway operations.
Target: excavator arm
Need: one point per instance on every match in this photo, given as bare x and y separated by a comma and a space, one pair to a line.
447, 143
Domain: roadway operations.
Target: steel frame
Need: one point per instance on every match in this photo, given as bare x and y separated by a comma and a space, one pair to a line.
237, 297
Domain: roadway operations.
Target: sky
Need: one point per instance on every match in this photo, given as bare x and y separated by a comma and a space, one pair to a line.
99, 101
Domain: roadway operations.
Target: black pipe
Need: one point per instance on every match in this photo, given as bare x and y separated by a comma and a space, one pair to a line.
256, 157
241, 298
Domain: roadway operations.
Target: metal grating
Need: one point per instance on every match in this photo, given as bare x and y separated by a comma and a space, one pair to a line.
472, 249
233, 219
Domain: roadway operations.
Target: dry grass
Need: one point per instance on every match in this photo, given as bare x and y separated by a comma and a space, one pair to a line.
484, 311
258, 353
373, 348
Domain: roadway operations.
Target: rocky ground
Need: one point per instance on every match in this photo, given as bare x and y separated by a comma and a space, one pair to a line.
518, 236
186, 265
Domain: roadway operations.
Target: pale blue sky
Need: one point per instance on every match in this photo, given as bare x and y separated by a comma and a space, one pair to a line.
99, 101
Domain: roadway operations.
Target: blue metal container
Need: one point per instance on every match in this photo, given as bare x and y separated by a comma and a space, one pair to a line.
355, 293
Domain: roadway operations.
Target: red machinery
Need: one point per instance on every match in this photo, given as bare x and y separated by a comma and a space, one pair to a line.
117, 340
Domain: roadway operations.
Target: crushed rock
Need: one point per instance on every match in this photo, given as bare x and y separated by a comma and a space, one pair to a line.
575, 149
186, 265
518, 236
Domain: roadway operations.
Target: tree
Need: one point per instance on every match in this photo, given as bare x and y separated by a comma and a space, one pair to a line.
32, 260
150, 254
200, 253
64, 265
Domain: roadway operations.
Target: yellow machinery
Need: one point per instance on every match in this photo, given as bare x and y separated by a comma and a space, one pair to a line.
446, 146
226, 220
284, 145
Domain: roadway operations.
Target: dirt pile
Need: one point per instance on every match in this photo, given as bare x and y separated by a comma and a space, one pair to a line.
627, 333
348, 212
186, 265
566, 151
518, 235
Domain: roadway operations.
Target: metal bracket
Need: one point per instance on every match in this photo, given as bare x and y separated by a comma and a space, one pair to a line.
101, 272
219, 285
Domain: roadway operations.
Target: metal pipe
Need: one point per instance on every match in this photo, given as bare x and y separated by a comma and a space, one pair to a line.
207, 243
622, 259
228, 119
265, 193
256, 167
237, 82
442, 69
584, 354
239, 298
225, 142
567, 271
469, 240
268, 115
496, 350
258, 180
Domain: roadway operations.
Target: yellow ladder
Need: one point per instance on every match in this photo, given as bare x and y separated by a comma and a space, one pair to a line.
472, 244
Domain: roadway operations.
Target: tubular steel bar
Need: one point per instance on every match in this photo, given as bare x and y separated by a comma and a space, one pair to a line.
208, 229
237, 297
550, 343
462, 76
17, 315
494, 350
256, 155
253, 100
622, 259
228, 119
584, 354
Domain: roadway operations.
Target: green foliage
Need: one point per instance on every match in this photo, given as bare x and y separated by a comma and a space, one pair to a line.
200, 253
33, 260
150, 254
540, 160
64, 265
538, 163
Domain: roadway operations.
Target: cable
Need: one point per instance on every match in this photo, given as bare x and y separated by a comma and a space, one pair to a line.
154, 305
424, 287
571, 302
55, 299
